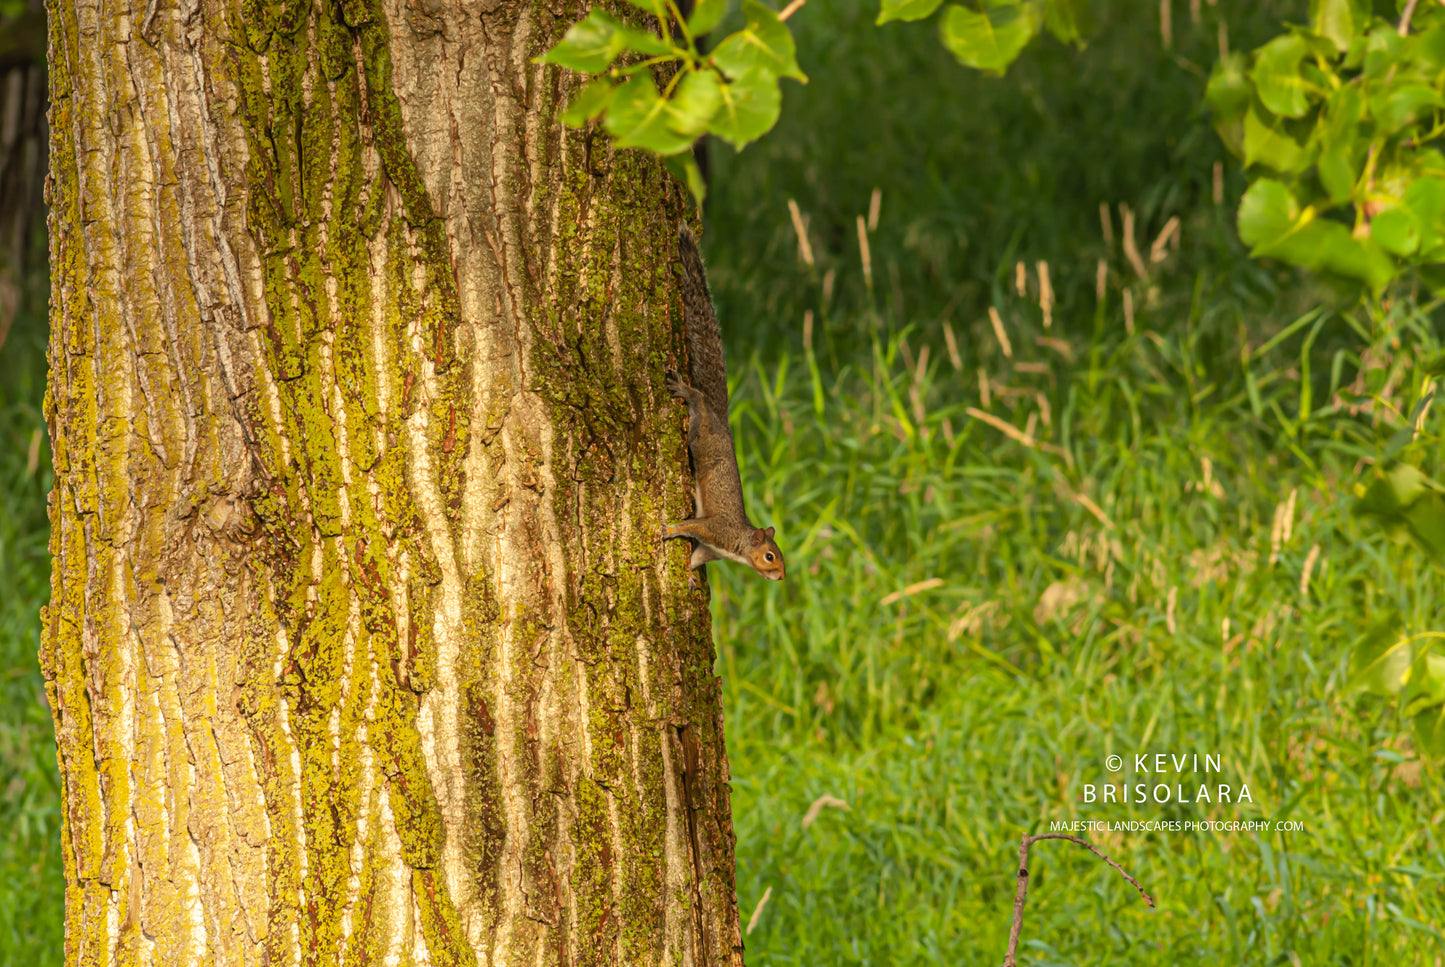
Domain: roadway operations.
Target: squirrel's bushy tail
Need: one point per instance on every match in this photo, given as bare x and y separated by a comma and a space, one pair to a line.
707, 370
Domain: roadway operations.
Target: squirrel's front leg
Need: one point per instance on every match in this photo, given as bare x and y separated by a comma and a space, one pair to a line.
700, 529
682, 391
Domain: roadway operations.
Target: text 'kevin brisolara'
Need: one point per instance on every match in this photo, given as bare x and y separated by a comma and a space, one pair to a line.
1163, 792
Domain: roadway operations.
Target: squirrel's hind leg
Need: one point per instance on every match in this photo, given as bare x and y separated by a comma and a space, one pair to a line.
701, 554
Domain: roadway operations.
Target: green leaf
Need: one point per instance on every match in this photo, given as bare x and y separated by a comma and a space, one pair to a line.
1273, 225
750, 107
1338, 20
706, 14
1425, 199
684, 168
649, 44
1277, 77
764, 44
1430, 731
589, 45
1430, 50
1404, 500
1426, 683
1328, 246
591, 101
1341, 146
639, 118
1268, 144
1424, 703
1065, 20
1381, 51
1396, 231
1381, 659
1426, 520
1229, 91
1337, 172
990, 40
906, 10
1397, 105
698, 97
1267, 212
1391, 491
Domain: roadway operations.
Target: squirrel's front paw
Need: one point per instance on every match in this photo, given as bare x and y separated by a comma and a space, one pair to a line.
674, 383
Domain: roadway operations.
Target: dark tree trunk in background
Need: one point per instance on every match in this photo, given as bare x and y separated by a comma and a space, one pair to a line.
362, 648
22, 151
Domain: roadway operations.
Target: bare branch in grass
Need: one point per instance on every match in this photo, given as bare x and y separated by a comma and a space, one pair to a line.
1023, 887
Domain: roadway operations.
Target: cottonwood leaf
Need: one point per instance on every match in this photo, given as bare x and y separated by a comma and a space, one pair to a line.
1398, 105
1065, 21
1268, 144
698, 97
639, 118
1396, 230
1272, 223
1381, 659
1339, 21
684, 167
764, 44
1277, 77
591, 101
750, 107
1425, 199
989, 40
1228, 91
590, 45
706, 14
906, 10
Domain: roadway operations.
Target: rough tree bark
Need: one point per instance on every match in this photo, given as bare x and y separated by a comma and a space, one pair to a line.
362, 647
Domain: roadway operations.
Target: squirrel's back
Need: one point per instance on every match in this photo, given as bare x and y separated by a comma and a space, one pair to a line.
707, 369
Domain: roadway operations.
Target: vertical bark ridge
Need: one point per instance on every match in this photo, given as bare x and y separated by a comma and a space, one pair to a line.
362, 647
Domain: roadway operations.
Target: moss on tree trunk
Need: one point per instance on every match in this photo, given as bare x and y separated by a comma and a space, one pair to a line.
362, 647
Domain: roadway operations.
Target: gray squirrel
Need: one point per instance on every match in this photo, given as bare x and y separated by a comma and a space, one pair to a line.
720, 528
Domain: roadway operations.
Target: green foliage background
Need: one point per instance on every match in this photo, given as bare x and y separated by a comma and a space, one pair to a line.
1041, 640
970, 624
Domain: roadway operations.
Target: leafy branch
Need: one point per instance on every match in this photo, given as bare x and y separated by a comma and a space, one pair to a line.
991, 38
1340, 122
733, 91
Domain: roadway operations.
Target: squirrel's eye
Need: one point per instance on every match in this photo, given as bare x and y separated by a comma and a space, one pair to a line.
768, 557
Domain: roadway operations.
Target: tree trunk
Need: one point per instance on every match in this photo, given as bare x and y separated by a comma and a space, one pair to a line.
362, 647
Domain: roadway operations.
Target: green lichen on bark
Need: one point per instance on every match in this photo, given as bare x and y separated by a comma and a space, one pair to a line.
306, 149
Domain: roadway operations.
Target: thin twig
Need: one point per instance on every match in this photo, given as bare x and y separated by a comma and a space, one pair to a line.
1023, 888
1405, 16
797, 5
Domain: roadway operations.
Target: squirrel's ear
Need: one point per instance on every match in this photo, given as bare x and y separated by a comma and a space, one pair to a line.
769, 532
757, 536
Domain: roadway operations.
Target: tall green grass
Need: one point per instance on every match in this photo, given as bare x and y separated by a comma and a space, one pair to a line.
963, 639
31, 893
972, 624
